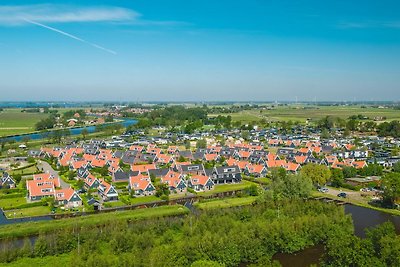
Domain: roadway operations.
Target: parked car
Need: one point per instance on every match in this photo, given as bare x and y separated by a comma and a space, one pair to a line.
323, 190
342, 194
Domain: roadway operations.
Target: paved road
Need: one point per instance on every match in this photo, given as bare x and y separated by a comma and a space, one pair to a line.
46, 167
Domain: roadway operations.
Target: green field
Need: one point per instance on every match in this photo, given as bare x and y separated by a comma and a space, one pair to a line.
13, 121
299, 113
226, 203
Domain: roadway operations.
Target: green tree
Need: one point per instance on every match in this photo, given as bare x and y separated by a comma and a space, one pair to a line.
84, 133
391, 187
319, 174
202, 143
396, 167
292, 186
337, 177
349, 172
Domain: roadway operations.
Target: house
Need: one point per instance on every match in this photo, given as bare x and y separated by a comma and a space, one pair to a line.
257, 170
226, 175
38, 189
174, 181
91, 182
291, 167
6, 181
141, 185
194, 169
200, 183
47, 177
107, 191
164, 159
120, 175
68, 198
211, 157
144, 168
158, 173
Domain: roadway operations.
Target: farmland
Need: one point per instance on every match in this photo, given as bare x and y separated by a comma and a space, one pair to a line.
13, 121
300, 113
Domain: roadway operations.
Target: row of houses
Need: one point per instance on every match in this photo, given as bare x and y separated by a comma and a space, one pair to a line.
46, 185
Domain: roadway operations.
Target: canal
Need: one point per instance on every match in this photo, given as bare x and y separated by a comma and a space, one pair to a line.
73, 131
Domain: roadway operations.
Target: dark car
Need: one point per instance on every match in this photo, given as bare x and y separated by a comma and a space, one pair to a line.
343, 195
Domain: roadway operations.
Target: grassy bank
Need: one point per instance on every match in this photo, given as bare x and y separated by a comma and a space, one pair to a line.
226, 203
226, 188
33, 228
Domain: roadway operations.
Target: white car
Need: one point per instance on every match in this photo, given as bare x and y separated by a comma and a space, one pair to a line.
323, 190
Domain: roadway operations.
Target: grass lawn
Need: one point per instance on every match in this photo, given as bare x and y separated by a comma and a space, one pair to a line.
112, 204
13, 121
138, 200
227, 187
28, 212
226, 203
9, 203
23, 171
24, 229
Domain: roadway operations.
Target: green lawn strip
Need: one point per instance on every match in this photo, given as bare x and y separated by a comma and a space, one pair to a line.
25, 170
25, 229
9, 203
27, 212
138, 200
227, 187
226, 203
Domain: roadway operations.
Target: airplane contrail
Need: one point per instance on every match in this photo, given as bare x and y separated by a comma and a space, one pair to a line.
71, 36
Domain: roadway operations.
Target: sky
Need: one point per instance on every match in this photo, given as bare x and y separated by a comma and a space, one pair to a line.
200, 50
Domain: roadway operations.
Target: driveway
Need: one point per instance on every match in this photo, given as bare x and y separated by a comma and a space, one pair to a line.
46, 167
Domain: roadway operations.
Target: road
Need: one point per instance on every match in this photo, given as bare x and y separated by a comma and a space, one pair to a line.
46, 167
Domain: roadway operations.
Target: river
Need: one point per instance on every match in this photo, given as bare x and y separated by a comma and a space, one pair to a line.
363, 219
73, 131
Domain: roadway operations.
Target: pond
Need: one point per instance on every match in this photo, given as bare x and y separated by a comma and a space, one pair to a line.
363, 218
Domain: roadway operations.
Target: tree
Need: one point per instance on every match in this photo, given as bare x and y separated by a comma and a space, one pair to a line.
349, 172
84, 133
396, 167
202, 143
162, 189
371, 170
391, 187
319, 174
337, 177
80, 184
292, 186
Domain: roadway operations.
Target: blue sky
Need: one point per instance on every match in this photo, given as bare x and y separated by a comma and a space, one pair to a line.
199, 50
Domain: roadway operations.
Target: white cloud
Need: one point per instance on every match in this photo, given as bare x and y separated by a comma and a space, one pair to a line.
48, 13
369, 24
